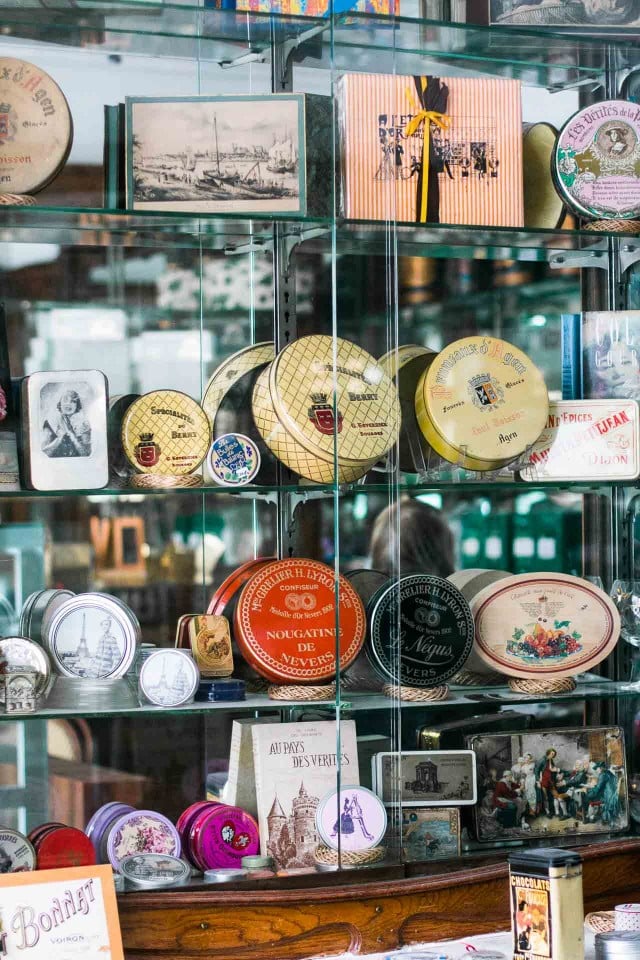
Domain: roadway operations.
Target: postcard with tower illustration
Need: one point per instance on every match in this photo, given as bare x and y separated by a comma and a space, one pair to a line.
296, 765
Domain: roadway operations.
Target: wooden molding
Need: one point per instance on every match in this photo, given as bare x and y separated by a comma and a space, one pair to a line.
335, 913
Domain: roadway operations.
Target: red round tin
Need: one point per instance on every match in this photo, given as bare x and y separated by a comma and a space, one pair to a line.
222, 836
185, 822
63, 847
228, 589
285, 622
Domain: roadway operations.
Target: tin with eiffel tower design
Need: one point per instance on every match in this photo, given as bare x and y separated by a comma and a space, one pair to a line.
93, 636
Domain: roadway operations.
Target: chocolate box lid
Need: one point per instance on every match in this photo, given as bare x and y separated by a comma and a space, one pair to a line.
481, 403
166, 432
544, 625
36, 127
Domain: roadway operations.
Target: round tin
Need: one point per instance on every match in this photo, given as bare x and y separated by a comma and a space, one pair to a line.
154, 870
36, 130
93, 636
64, 847
38, 610
618, 944
230, 372
221, 837
141, 831
406, 366
98, 824
352, 817
233, 460
543, 206
186, 818
165, 432
258, 863
224, 875
544, 625
470, 582
361, 675
627, 916
18, 653
420, 630
481, 403
285, 622
224, 597
118, 406
16, 852
169, 678
596, 161
322, 393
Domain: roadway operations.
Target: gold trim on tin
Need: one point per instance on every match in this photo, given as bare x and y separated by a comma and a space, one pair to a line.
230, 371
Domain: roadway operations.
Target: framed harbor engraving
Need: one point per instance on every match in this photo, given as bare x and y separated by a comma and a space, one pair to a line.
426, 778
585, 14
216, 154
550, 783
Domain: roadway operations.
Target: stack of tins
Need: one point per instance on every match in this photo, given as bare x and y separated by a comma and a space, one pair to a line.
56, 845
118, 830
215, 835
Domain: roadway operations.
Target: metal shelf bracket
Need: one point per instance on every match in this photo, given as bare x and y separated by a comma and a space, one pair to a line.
595, 256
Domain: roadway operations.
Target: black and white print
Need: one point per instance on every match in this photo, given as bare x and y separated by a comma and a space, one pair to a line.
64, 419
567, 13
427, 778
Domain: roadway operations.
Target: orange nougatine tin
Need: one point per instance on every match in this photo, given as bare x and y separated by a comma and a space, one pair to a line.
285, 622
326, 402
227, 592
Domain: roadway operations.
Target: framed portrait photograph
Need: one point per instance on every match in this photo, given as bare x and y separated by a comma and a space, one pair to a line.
426, 778
64, 427
430, 833
550, 783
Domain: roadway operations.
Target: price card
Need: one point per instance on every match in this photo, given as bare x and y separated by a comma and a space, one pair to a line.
60, 915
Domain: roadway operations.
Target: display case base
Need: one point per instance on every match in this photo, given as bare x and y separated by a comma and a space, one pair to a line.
362, 911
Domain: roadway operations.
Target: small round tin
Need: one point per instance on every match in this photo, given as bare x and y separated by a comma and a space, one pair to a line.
353, 818
100, 822
118, 406
16, 852
38, 610
233, 460
165, 432
169, 678
324, 399
20, 653
258, 863
596, 161
63, 847
222, 836
154, 870
141, 831
36, 129
224, 875
93, 636
420, 630
285, 622
481, 403
543, 205
627, 916
618, 945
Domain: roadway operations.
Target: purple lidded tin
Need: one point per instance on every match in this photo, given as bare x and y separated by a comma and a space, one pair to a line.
223, 836
141, 831
353, 816
97, 829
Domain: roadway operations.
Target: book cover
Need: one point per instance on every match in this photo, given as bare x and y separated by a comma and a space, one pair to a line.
610, 355
240, 788
296, 765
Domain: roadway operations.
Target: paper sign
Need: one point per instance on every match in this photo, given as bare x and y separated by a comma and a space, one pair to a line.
60, 915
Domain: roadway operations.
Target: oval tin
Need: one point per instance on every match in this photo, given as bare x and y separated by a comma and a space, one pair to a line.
481, 403
64, 847
596, 161
285, 622
93, 636
233, 460
37, 128
544, 625
543, 206
223, 836
169, 678
141, 831
17, 854
353, 818
165, 433
18, 653
155, 870
436, 633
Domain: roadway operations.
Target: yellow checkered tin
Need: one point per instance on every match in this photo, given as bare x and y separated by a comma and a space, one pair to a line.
481, 403
231, 371
325, 403
166, 433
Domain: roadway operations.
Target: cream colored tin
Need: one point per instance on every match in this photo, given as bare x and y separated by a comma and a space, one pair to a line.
406, 365
166, 432
470, 582
36, 129
543, 205
322, 399
481, 403
587, 440
230, 372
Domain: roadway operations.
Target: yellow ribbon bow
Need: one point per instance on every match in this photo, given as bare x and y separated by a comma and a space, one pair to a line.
426, 117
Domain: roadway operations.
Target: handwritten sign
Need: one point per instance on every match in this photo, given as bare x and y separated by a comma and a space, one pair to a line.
60, 915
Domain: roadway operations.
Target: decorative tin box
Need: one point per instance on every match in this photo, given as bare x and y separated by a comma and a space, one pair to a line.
583, 15
430, 833
210, 641
351, 818
20, 691
64, 430
241, 154
596, 162
587, 440
550, 783
431, 150
93, 636
168, 678
426, 778
19, 655
35, 127
165, 433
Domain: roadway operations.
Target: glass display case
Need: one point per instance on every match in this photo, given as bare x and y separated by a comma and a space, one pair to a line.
158, 293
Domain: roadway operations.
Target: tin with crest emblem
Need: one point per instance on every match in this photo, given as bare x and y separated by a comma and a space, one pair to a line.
165, 433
